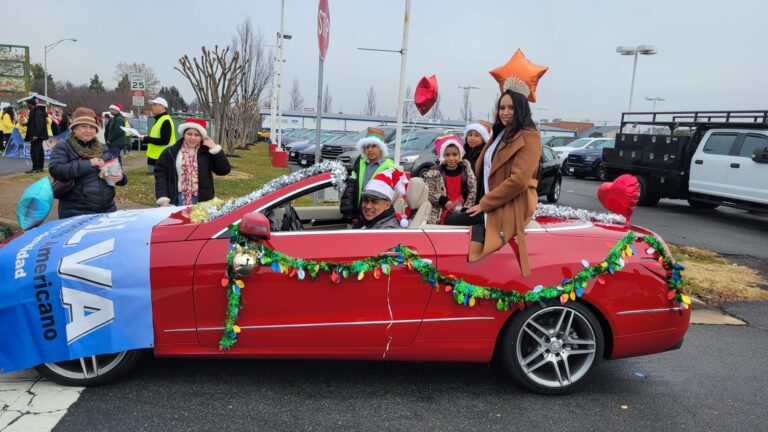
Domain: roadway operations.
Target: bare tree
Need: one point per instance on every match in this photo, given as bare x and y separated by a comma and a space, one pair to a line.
215, 77
435, 113
244, 116
409, 107
370, 104
297, 102
466, 107
327, 100
152, 83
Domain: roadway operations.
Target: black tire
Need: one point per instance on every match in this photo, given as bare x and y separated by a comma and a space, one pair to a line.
111, 367
647, 198
703, 205
600, 173
534, 354
422, 172
554, 194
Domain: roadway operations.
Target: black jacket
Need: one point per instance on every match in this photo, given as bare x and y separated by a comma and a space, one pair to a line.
91, 193
37, 124
167, 178
471, 155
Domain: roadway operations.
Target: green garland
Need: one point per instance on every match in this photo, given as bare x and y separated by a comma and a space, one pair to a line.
464, 293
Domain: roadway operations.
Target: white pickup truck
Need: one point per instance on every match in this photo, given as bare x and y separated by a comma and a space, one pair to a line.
724, 160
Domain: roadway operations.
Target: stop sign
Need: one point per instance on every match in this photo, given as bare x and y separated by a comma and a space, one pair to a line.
323, 27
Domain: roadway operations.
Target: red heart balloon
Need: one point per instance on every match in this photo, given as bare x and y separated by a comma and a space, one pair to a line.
426, 94
620, 196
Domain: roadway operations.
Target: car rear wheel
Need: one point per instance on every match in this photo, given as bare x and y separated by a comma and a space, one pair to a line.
647, 198
703, 205
554, 194
552, 349
90, 371
600, 175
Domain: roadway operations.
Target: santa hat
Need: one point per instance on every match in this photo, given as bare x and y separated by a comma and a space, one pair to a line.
442, 143
384, 184
116, 106
374, 136
196, 124
480, 126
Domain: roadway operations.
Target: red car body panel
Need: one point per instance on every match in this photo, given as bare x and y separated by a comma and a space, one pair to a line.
398, 317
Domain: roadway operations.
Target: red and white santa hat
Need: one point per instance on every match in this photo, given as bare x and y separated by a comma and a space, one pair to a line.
196, 124
384, 184
443, 142
480, 126
116, 106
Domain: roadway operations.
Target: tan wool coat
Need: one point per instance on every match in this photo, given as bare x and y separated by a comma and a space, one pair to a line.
511, 197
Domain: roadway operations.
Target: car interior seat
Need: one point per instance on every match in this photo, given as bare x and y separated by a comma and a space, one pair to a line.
417, 199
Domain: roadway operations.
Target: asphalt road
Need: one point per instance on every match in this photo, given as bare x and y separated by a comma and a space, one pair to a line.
14, 166
716, 381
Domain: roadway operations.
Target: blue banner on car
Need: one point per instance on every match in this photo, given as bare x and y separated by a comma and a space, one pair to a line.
77, 287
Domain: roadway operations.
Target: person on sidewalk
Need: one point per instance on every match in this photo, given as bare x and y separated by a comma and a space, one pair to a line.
162, 133
184, 172
372, 161
115, 137
6, 125
37, 132
80, 158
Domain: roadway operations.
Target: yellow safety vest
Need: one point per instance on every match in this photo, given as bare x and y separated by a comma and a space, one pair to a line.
154, 150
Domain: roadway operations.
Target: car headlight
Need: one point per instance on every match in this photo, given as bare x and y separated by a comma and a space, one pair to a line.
409, 159
590, 158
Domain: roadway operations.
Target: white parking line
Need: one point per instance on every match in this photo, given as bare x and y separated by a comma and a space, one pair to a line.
29, 402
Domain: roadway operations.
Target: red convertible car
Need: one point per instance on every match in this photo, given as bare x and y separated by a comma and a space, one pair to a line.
548, 347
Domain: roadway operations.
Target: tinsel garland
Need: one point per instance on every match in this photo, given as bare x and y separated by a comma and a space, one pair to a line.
209, 210
464, 293
563, 212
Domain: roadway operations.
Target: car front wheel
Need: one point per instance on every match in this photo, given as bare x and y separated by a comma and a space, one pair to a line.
553, 349
90, 371
554, 194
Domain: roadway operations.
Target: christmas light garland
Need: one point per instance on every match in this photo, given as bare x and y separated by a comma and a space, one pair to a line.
244, 254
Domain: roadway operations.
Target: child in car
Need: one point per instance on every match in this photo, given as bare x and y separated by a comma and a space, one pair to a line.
452, 184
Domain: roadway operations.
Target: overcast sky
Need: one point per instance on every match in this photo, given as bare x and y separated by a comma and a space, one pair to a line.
712, 54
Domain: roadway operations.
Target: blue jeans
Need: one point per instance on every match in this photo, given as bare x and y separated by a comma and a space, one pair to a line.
181, 199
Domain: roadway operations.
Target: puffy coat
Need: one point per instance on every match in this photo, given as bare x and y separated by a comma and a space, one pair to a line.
116, 136
511, 198
91, 193
167, 178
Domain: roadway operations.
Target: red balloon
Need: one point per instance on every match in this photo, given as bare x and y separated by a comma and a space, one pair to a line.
620, 196
426, 94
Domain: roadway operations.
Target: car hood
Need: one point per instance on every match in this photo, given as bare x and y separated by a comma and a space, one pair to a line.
588, 152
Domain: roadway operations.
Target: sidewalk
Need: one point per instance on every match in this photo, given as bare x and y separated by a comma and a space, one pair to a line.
13, 186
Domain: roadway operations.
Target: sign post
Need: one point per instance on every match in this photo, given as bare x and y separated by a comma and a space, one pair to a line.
323, 32
138, 84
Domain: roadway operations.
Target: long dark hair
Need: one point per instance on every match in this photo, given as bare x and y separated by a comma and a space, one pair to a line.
9, 110
521, 119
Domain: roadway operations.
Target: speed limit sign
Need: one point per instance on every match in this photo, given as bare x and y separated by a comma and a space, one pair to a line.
138, 80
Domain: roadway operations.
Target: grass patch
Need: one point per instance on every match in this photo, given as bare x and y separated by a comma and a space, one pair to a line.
713, 279
252, 169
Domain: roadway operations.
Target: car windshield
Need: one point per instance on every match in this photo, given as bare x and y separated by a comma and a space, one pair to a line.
416, 140
579, 143
601, 144
546, 140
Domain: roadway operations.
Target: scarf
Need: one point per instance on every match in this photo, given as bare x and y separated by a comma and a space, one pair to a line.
87, 150
188, 173
367, 224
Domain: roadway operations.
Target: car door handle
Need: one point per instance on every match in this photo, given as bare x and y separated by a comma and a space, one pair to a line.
699, 162
735, 165
391, 253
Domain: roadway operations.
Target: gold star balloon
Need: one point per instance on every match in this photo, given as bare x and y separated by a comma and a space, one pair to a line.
519, 75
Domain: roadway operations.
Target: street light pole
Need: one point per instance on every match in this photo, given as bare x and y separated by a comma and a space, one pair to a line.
467, 89
47, 48
654, 100
635, 51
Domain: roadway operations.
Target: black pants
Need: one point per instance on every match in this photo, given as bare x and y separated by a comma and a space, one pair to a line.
37, 154
477, 223
2, 140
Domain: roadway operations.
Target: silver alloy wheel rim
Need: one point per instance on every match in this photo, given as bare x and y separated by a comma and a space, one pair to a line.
87, 367
556, 347
557, 191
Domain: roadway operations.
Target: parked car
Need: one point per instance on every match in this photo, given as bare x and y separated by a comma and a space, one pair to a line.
550, 176
295, 147
724, 161
563, 152
306, 156
549, 347
345, 150
556, 141
588, 162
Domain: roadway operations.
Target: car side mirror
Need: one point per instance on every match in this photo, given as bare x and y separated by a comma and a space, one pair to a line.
760, 155
255, 225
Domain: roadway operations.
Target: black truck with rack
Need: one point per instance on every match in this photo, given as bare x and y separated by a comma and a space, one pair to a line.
709, 158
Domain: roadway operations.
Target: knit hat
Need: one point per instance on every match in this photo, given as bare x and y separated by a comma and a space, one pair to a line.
117, 107
196, 124
374, 136
84, 115
384, 184
442, 143
480, 126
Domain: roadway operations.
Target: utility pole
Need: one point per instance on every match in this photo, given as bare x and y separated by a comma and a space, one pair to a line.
467, 90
